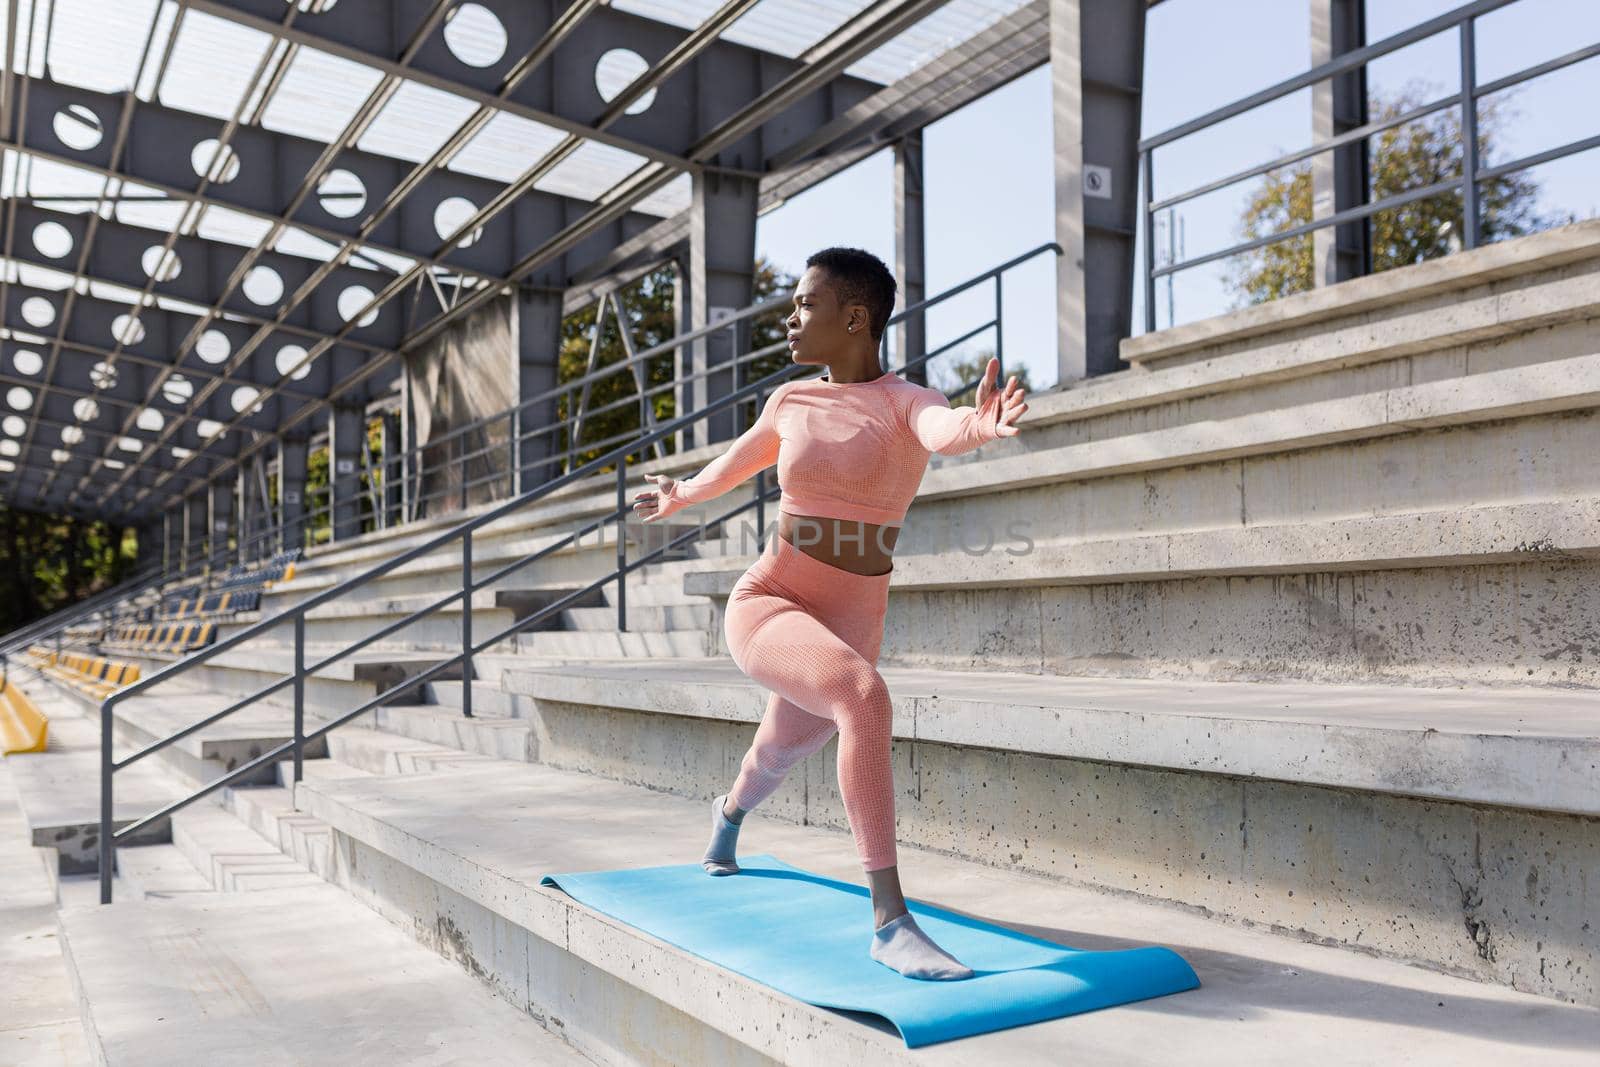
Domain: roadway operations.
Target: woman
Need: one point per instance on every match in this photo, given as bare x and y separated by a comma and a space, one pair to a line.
806, 620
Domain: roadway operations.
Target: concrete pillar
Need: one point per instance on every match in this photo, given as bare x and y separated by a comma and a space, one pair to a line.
249, 511
151, 544
536, 327
1338, 178
1095, 104
292, 491
683, 359
172, 528
722, 255
910, 266
345, 427
394, 446
197, 524
223, 514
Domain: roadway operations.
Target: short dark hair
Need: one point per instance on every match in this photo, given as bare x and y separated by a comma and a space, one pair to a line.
859, 277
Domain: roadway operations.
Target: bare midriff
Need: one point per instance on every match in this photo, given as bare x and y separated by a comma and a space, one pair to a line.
849, 544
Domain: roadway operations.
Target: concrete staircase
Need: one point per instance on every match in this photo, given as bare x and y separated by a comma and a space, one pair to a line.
1280, 656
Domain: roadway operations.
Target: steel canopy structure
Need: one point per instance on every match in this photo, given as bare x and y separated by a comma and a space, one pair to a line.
225, 220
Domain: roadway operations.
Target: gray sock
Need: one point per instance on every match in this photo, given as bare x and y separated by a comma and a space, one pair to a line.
719, 858
902, 945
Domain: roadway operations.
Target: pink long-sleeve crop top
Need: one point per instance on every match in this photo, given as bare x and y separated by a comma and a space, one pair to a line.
847, 450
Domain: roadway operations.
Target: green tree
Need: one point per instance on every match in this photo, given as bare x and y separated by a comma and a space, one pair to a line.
648, 308
50, 561
949, 374
1409, 156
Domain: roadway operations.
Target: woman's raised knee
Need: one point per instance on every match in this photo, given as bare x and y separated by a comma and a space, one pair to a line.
864, 696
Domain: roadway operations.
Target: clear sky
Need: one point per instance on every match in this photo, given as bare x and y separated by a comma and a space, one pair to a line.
989, 193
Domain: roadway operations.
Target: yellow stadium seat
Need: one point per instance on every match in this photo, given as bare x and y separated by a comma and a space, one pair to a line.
22, 727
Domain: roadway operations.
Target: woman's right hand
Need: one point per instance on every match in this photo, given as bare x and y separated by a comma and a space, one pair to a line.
648, 503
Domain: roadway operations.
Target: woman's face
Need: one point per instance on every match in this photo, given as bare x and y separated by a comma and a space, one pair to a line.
819, 327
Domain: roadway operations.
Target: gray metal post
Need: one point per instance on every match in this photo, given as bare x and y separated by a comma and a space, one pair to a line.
345, 427
1339, 177
1096, 93
683, 358
222, 520
393, 468
299, 695
536, 325
622, 546
909, 251
197, 522
108, 850
466, 624
292, 491
722, 254
1471, 224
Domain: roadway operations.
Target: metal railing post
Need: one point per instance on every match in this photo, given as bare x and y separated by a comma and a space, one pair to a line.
1147, 157
466, 624
299, 694
622, 549
1469, 136
999, 330
513, 431
108, 851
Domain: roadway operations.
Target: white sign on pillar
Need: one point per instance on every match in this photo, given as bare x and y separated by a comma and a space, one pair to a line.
1097, 181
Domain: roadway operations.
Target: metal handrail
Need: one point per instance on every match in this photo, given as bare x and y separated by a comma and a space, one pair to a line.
1466, 98
297, 612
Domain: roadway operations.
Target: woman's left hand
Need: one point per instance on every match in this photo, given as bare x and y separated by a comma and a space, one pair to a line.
1011, 399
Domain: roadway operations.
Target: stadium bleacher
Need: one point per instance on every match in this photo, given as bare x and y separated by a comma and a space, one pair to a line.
91, 676
187, 618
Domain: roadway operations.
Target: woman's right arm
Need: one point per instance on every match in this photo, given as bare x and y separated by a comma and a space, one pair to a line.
756, 449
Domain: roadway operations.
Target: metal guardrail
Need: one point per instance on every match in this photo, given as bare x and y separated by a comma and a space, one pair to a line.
470, 647
497, 441
502, 435
1466, 99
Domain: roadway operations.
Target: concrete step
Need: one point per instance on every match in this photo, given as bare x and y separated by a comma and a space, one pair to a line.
230, 856
356, 618
477, 875
443, 724
641, 617
39, 1024
380, 752
332, 689
1370, 599
599, 644
660, 586
270, 812
1386, 817
59, 794
489, 701
224, 746
567, 568
282, 976
157, 872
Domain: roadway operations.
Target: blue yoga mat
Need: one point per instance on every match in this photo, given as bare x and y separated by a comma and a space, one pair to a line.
807, 935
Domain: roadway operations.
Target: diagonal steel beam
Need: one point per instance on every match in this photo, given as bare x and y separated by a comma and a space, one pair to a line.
849, 43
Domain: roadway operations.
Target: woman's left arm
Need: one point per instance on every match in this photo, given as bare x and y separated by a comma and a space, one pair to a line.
953, 431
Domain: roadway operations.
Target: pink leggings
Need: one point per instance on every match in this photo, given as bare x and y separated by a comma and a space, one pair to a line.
810, 632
